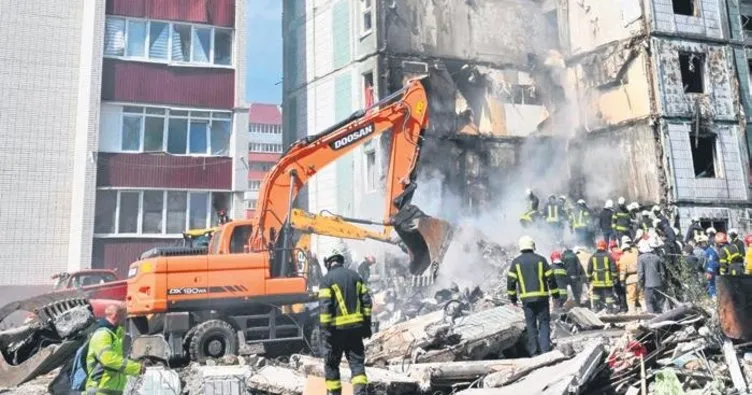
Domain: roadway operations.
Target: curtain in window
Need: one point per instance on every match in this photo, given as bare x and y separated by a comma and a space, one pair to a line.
159, 37
114, 37
220, 137
181, 43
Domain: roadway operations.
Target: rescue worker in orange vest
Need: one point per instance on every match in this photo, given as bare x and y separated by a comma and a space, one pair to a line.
748, 242
561, 276
531, 280
554, 214
628, 275
732, 262
345, 319
603, 275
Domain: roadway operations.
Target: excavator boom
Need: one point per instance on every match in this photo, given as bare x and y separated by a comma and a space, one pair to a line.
404, 115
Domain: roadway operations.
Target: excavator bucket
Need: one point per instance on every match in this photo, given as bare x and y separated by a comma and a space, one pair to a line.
426, 238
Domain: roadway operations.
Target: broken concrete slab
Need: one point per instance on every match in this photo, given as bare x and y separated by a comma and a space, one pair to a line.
521, 367
211, 380
158, 380
395, 383
585, 319
559, 379
432, 338
436, 375
277, 380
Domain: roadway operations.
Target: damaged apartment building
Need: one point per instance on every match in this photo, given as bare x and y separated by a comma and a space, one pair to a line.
598, 99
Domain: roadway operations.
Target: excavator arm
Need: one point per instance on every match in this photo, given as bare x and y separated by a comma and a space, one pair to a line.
404, 115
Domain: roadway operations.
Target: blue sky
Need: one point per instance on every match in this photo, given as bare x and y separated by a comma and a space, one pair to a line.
264, 45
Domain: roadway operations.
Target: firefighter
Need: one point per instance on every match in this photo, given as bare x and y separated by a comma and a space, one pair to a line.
748, 242
732, 261
694, 230
364, 269
532, 200
619, 289
561, 276
634, 218
531, 214
735, 240
628, 276
605, 220
575, 272
533, 276
710, 232
579, 220
553, 214
621, 220
602, 274
345, 318
712, 264
645, 223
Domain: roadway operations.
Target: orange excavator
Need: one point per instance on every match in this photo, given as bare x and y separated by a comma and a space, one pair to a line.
208, 305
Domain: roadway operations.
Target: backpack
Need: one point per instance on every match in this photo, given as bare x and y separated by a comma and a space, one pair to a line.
78, 372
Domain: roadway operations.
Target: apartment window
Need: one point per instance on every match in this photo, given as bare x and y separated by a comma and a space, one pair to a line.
368, 89
366, 7
157, 212
705, 158
265, 128
371, 171
251, 204
720, 225
254, 185
165, 42
265, 148
685, 7
179, 132
261, 166
692, 71
525, 94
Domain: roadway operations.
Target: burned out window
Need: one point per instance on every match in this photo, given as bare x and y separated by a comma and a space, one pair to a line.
718, 224
685, 7
704, 154
747, 25
692, 71
525, 94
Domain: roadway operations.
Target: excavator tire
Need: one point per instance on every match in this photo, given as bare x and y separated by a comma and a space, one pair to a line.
213, 339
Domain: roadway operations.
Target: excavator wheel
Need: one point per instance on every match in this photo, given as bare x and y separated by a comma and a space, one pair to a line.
426, 238
213, 339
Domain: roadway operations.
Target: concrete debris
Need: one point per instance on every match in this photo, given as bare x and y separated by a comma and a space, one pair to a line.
277, 380
392, 382
158, 380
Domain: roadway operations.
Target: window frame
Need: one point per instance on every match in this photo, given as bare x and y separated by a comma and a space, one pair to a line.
140, 215
213, 116
363, 11
254, 185
371, 173
170, 41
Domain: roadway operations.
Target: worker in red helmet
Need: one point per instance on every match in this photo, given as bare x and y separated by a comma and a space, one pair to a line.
603, 276
561, 276
748, 243
732, 262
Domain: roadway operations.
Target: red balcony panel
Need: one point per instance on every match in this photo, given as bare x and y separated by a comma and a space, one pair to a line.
155, 83
250, 213
163, 171
119, 253
213, 12
263, 157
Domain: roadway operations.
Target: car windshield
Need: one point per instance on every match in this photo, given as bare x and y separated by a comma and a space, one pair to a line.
93, 279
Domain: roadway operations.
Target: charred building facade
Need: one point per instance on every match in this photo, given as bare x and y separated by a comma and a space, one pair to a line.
636, 98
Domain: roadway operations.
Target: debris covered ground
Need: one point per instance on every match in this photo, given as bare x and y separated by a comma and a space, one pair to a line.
469, 341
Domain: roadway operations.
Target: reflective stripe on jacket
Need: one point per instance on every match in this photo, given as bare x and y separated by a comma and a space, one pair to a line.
344, 299
552, 213
535, 278
729, 255
105, 362
580, 218
601, 270
621, 220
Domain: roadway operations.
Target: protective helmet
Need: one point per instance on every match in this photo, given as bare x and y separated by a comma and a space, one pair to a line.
556, 256
656, 209
747, 240
634, 206
334, 258
733, 233
552, 196
581, 201
626, 240
527, 243
710, 230
601, 245
528, 192
622, 201
562, 197
609, 204
645, 213
720, 238
702, 239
